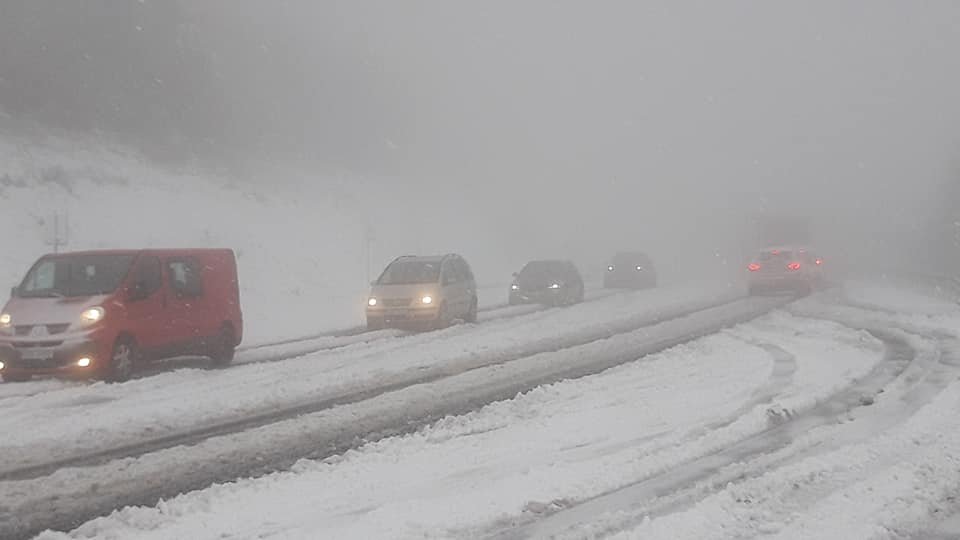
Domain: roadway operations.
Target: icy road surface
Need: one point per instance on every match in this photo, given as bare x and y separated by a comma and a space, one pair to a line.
833, 418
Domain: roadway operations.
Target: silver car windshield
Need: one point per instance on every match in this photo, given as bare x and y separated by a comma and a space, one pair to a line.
410, 272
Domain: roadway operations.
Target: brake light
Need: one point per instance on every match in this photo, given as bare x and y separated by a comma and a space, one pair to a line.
793, 266
753, 267
819, 262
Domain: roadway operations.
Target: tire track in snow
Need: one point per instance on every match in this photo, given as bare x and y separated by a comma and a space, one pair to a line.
930, 374
665, 493
398, 381
293, 348
272, 447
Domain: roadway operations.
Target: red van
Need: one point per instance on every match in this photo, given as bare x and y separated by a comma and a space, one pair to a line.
102, 313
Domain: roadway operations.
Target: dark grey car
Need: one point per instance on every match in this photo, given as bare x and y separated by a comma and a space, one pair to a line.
553, 282
630, 270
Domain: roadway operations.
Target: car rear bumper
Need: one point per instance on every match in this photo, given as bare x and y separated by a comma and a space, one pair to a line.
779, 282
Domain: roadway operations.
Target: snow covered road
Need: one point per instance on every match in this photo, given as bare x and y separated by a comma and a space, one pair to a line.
800, 424
78, 420
466, 476
342, 427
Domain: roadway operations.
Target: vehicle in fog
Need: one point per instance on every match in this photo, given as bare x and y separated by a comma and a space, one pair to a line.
101, 314
554, 283
785, 268
423, 293
630, 270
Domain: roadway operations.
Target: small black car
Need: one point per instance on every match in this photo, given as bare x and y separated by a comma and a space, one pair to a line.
553, 283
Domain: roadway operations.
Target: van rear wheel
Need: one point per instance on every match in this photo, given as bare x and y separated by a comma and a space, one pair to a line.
123, 360
226, 347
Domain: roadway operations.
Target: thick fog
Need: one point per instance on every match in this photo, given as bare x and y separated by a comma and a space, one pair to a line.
568, 128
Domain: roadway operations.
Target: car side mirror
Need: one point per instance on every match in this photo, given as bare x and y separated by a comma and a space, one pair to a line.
372, 283
13, 291
516, 274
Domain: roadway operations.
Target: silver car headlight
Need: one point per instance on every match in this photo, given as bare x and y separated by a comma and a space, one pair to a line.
92, 315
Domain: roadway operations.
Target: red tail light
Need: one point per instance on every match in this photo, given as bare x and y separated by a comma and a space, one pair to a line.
793, 266
753, 267
819, 262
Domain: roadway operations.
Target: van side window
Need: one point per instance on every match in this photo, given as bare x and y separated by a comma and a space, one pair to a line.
465, 272
186, 278
451, 273
149, 275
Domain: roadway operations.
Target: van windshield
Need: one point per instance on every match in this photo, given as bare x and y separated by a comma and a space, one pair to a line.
410, 272
72, 276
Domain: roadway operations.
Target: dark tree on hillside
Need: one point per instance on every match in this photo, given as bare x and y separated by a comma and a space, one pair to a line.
120, 65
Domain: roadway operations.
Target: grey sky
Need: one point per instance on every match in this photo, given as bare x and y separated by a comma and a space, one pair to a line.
595, 118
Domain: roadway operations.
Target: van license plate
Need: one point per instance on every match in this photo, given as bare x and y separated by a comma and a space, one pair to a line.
38, 353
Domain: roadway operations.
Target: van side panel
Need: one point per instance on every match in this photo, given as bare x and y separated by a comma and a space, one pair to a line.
225, 288
220, 301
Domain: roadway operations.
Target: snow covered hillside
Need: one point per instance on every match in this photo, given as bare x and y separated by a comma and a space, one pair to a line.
300, 241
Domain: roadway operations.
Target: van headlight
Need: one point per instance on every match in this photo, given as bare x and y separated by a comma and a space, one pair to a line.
92, 315
5, 320
426, 300
372, 302
554, 285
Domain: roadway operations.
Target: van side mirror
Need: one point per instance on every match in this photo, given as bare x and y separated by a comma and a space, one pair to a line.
13, 291
516, 274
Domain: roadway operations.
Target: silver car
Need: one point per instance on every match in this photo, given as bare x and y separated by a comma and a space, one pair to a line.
423, 293
785, 268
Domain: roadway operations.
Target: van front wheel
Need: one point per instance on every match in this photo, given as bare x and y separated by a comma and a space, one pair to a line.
123, 360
